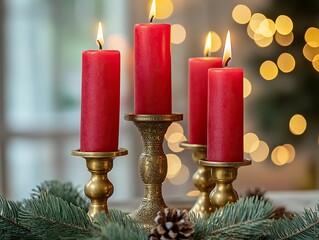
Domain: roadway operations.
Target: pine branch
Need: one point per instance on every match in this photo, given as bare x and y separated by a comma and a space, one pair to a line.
10, 228
117, 225
245, 219
53, 218
301, 226
66, 191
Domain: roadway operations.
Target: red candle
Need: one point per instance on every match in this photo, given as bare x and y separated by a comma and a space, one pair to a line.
197, 92
153, 91
100, 103
225, 112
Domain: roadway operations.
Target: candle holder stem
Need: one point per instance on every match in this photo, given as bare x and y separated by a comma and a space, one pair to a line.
152, 164
99, 188
224, 174
202, 179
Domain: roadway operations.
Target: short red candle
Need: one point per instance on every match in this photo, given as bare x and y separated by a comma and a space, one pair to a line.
197, 93
100, 105
153, 91
225, 115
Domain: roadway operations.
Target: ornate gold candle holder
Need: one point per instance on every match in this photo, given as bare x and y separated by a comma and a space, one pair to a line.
152, 163
99, 188
224, 173
202, 179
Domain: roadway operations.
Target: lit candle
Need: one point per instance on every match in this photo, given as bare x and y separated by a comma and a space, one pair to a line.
197, 92
100, 103
225, 111
153, 91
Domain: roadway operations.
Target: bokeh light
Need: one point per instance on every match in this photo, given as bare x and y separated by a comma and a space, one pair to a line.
267, 28
292, 152
173, 128
174, 140
261, 153
297, 124
247, 87
310, 52
255, 21
178, 33
280, 156
181, 177
262, 41
284, 24
286, 62
241, 14
312, 37
284, 40
174, 165
268, 70
216, 42
164, 9
251, 142
315, 62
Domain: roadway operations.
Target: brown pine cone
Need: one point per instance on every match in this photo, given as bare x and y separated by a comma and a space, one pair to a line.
172, 224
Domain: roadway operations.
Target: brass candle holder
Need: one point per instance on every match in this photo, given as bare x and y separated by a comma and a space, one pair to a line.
202, 179
99, 188
152, 164
224, 174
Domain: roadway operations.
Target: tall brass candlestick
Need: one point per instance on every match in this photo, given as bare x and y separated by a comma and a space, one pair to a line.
152, 163
202, 179
224, 174
99, 188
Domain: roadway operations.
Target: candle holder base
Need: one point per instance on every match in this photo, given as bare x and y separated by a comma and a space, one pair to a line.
224, 174
152, 164
202, 180
99, 188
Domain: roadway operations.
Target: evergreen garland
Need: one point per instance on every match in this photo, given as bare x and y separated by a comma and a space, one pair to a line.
54, 212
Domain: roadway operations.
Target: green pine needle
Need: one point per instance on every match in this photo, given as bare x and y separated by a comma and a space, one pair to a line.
118, 226
10, 228
66, 191
53, 218
245, 219
301, 226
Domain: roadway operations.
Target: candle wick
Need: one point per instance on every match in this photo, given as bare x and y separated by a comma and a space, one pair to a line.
152, 18
227, 61
207, 54
99, 43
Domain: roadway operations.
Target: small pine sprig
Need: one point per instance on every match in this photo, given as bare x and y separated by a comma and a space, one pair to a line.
66, 191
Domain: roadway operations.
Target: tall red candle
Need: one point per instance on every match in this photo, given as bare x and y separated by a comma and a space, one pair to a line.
100, 103
153, 90
225, 114
197, 94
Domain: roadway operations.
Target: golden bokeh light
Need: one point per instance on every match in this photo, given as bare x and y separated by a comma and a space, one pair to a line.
255, 21
193, 193
261, 153
267, 28
286, 62
247, 87
284, 24
174, 165
181, 177
178, 34
291, 151
241, 14
315, 62
312, 37
250, 32
216, 42
284, 40
262, 41
279, 156
164, 9
251, 142
297, 124
174, 140
173, 128
268, 70
310, 52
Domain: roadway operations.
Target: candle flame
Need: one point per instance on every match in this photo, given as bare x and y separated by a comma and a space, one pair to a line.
99, 37
208, 44
227, 50
152, 11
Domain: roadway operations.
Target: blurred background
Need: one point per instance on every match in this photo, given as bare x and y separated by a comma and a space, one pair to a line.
41, 43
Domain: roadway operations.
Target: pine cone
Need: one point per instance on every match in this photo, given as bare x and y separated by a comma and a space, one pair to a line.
172, 224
